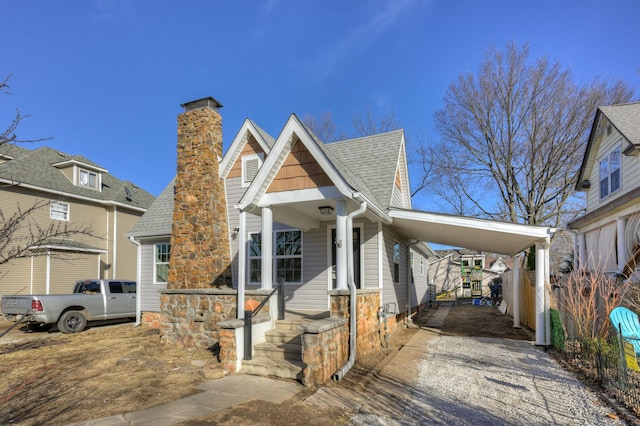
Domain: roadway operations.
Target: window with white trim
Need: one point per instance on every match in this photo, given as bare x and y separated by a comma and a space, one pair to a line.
288, 255
421, 265
250, 166
88, 179
396, 262
161, 263
59, 211
610, 173
255, 257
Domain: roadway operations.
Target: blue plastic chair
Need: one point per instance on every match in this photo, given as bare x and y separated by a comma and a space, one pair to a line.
627, 325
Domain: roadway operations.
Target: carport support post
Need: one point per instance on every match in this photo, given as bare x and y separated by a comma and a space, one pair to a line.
541, 323
516, 291
267, 248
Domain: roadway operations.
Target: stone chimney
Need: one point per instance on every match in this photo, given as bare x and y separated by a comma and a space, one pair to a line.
200, 251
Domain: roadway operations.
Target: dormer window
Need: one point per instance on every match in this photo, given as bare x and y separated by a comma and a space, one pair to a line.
88, 178
250, 166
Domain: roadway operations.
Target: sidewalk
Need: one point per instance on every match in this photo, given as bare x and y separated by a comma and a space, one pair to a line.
218, 395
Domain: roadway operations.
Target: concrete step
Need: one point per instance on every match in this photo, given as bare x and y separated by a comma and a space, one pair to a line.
283, 336
285, 351
290, 324
284, 369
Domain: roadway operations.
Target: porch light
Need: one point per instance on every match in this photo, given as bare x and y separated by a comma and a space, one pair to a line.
325, 210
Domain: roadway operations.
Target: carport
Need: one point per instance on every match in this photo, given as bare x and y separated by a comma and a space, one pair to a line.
505, 238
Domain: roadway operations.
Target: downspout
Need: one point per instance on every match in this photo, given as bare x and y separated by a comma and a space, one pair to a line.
352, 290
138, 281
409, 275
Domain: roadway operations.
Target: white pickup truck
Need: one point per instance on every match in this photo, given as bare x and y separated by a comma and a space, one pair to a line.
93, 299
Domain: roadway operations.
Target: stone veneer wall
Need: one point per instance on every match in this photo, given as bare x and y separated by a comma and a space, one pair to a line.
189, 318
368, 326
325, 349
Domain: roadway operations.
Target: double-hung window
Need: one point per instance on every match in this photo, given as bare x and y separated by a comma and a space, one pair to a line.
255, 257
610, 173
161, 263
396, 262
59, 211
288, 255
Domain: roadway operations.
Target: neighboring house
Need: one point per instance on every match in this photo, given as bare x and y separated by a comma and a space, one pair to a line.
609, 232
307, 184
80, 194
464, 270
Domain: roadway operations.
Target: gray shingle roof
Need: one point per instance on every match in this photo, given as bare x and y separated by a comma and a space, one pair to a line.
374, 160
158, 218
626, 118
36, 168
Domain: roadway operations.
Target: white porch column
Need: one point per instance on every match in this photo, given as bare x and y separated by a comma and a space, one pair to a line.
540, 296
516, 291
621, 229
242, 263
341, 243
267, 249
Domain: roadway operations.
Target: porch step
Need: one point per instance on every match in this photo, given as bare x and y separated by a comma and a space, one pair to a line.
284, 369
283, 336
284, 351
290, 324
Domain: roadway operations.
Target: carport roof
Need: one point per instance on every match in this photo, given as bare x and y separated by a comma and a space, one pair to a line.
458, 231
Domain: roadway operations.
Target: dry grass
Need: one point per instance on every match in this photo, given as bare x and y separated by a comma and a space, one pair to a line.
56, 379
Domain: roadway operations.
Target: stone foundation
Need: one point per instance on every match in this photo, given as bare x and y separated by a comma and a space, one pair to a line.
325, 349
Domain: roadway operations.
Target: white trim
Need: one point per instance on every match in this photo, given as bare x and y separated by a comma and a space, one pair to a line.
242, 263
115, 243
75, 163
380, 259
245, 159
47, 274
241, 138
155, 263
66, 212
300, 195
31, 276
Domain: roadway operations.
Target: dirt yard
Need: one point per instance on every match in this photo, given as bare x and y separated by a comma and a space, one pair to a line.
50, 378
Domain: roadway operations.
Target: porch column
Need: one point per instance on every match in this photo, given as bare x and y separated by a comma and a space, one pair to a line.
341, 244
621, 230
516, 291
267, 249
540, 296
242, 263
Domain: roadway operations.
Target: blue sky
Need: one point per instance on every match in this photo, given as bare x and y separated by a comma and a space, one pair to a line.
105, 78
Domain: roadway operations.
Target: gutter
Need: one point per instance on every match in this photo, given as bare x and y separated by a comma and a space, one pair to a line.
352, 290
138, 281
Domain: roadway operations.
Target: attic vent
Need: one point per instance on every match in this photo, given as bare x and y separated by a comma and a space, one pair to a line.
127, 193
250, 166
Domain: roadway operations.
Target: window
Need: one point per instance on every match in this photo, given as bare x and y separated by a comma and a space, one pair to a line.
59, 211
115, 287
161, 263
88, 179
255, 257
396, 262
288, 256
250, 166
610, 173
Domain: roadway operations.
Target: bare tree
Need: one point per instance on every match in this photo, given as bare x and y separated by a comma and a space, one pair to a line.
25, 230
513, 137
323, 127
368, 122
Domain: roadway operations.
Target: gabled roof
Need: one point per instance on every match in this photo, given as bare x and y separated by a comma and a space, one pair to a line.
39, 169
248, 128
625, 118
157, 220
371, 163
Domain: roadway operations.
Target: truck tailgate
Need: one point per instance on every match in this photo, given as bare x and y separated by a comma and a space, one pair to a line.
16, 305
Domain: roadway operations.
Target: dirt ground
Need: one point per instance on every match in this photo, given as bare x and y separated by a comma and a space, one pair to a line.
51, 378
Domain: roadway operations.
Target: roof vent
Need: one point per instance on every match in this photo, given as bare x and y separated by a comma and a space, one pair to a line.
585, 184
207, 102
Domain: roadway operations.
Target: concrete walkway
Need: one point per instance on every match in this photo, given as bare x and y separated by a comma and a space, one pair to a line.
216, 396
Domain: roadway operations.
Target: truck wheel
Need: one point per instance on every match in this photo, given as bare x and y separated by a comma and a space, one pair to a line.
72, 322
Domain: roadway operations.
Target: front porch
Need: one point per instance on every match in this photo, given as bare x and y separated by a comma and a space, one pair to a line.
309, 346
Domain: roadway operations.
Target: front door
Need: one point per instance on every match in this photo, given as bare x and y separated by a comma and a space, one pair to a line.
356, 257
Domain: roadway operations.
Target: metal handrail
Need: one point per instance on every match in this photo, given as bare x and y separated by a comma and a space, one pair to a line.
250, 314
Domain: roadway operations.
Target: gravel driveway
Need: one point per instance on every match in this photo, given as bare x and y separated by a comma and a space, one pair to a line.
490, 381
